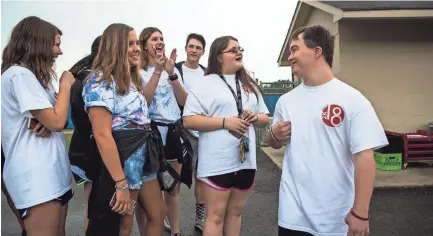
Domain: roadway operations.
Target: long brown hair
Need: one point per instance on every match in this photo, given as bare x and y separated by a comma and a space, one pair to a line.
112, 59
144, 36
31, 45
214, 65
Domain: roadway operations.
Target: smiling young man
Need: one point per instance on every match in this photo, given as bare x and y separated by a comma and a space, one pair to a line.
328, 168
192, 71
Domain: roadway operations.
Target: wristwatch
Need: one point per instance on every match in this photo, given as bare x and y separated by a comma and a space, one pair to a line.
173, 77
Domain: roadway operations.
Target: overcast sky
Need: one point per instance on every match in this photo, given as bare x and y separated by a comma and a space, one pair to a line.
260, 26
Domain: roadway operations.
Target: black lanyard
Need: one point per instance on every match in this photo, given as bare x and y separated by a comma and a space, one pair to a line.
237, 98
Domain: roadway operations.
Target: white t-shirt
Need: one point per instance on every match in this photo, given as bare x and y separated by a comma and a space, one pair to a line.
219, 150
330, 124
36, 169
164, 107
190, 78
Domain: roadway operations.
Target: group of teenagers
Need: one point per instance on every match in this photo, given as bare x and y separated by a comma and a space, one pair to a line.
141, 120
145, 124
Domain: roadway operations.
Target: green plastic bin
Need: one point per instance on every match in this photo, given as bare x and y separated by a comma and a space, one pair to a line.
389, 161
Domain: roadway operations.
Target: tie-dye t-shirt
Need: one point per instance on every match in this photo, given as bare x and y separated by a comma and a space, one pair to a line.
129, 108
164, 107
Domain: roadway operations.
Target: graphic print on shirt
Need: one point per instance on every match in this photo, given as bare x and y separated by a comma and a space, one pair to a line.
162, 99
333, 115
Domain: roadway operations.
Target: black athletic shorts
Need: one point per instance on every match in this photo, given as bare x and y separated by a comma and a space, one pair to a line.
289, 232
241, 180
64, 199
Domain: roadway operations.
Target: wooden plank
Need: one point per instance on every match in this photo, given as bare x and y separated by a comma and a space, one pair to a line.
410, 145
419, 152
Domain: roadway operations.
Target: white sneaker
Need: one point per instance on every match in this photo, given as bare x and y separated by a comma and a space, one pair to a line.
199, 224
167, 224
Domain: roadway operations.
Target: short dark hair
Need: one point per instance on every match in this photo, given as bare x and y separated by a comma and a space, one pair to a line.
317, 36
86, 62
198, 37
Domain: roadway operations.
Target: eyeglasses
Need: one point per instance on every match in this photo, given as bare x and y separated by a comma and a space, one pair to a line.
234, 50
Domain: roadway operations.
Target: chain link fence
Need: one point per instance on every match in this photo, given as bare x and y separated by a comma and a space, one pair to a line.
260, 134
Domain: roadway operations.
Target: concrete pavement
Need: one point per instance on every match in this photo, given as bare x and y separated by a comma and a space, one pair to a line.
420, 176
402, 202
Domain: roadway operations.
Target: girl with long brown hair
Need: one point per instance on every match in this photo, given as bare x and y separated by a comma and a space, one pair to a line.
32, 120
224, 107
165, 113
115, 98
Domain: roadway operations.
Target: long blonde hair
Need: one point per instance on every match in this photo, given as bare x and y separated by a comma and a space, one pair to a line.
112, 59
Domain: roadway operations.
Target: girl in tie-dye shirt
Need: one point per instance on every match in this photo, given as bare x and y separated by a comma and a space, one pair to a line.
116, 99
164, 111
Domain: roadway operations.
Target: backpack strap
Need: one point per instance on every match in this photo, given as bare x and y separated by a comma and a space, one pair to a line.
179, 68
203, 68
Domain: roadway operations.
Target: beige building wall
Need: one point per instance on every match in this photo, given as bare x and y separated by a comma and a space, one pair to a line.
319, 17
391, 63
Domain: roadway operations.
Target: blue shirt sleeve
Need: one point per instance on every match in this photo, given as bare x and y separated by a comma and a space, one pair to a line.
98, 94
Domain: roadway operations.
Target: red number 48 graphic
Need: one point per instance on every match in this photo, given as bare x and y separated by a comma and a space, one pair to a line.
333, 115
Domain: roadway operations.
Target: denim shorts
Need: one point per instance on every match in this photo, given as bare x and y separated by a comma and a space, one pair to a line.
135, 176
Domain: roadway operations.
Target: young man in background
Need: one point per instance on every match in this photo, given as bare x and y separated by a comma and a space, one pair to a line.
191, 71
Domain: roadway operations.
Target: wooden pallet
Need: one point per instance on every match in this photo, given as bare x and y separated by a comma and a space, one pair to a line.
415, 147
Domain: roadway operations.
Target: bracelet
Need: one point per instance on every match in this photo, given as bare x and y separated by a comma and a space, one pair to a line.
359, 217
272, 134
125, 187
120, 180
157, 73
224, 121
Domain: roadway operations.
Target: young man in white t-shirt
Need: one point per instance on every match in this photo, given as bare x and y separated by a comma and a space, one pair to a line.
192, 71
330, 130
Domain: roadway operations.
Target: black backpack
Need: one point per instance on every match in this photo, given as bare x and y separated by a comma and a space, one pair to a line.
179, 68
81, 137
79, 116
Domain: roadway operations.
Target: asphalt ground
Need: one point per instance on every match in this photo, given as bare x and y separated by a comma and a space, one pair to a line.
394, 211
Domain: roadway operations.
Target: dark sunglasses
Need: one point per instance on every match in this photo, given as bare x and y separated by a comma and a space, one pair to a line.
234, 50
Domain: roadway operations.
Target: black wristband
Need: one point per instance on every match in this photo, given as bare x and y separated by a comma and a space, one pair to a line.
224, 121
173, 77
